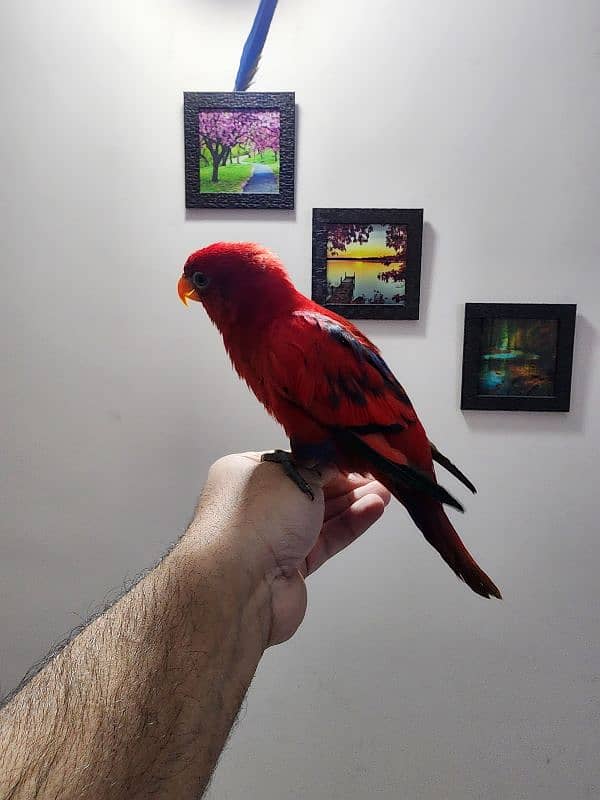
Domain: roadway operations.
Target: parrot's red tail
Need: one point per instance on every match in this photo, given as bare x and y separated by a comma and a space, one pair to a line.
422, 496
431, 519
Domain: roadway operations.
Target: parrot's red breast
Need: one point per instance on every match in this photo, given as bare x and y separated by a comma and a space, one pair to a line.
328, 385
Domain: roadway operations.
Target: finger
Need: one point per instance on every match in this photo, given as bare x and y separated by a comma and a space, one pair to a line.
329, 475
252, 456
344, 529
342, 484
336, 505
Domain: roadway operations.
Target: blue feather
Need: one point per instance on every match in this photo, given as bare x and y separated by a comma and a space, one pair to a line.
254, 45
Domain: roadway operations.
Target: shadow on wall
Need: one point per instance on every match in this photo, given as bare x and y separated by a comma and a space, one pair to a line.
247, 215
516, 422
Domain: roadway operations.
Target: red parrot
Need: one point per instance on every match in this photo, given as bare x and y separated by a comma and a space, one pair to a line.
328, 386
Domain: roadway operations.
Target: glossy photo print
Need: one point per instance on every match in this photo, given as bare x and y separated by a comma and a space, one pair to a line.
239, 150
518, 356
367, 262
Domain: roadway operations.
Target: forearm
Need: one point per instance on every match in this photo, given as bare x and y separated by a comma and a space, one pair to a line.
141, 702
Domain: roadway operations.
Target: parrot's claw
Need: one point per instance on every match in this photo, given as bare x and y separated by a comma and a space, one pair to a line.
290, 468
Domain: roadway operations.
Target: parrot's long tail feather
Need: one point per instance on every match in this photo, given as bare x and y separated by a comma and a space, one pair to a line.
445, 462
439, 532
404, 474
423, 498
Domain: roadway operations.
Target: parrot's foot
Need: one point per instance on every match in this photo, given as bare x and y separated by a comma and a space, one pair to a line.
290, 468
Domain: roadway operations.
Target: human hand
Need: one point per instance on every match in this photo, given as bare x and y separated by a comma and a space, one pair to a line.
277, 533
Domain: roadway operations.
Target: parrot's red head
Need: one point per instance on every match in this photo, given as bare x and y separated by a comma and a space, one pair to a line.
233, 280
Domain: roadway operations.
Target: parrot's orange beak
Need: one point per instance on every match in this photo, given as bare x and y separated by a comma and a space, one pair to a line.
186, 291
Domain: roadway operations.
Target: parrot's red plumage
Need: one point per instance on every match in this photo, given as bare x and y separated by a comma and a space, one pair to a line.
328, 385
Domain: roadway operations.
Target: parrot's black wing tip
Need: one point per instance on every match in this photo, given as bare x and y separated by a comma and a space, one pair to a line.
416, 479
405, 475
454, 504
448, 500
445, 462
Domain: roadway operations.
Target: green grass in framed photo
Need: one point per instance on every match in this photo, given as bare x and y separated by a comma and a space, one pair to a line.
518, 356
239, 149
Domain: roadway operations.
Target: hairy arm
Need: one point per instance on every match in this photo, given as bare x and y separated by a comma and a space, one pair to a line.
140, 703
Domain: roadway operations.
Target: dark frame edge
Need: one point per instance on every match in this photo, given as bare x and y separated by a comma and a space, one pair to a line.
565, 313
285, 102
412, 217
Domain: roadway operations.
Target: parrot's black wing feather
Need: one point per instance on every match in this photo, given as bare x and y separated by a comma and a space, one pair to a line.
403, 474
445, 462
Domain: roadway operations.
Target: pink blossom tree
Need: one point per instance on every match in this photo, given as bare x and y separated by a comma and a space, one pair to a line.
396, 237
340, 236
220, 131
263, 133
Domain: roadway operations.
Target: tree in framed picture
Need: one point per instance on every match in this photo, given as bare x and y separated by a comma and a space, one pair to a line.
367, 261
239, 149
518, 356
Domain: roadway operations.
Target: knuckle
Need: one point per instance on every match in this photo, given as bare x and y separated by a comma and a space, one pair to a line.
223, 466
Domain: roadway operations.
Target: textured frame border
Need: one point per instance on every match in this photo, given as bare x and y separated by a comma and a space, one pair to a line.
412, 218
284, 102
475, 313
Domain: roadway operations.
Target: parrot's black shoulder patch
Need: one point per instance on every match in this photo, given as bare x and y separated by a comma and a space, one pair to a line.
361, 352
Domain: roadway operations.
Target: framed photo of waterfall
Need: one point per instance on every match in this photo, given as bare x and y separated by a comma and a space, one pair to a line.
239, 149
518, 356
367, 261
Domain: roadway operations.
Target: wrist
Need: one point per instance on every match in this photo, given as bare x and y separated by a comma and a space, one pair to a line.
222, 553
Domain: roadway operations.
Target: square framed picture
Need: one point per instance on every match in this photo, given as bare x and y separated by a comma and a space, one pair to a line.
518, 356
367, 261
239, 149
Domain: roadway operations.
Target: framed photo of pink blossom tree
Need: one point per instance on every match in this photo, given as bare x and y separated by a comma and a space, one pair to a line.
239, 149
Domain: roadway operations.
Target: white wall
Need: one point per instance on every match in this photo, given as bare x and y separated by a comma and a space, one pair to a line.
401, 683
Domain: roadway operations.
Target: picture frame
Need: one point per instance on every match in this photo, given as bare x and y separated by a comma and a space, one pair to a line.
383, 248
239, 149
518, 356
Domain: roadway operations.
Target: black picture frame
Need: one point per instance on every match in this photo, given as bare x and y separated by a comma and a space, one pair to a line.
411, 218
284, 102
476, 314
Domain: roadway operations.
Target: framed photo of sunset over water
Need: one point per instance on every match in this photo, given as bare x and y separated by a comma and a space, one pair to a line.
239, 149
518, 356
367, 261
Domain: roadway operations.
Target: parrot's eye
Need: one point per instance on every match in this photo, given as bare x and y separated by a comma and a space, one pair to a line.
200, 280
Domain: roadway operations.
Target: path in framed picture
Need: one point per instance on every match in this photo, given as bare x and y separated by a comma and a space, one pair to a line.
367, 262
239, 149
